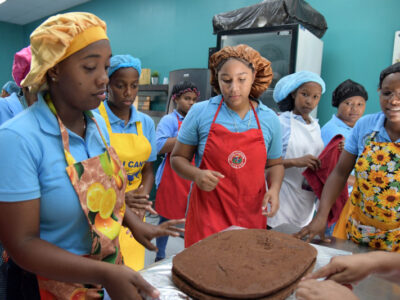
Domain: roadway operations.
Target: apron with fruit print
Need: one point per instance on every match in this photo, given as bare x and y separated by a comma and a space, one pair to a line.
133, 150
100, 183
375, 200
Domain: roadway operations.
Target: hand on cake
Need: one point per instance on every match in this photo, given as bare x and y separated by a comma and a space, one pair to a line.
327, 290
207, 180
316, 227
345, 269
353, 268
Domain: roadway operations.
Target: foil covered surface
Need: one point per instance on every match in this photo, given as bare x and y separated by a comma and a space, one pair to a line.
159, 274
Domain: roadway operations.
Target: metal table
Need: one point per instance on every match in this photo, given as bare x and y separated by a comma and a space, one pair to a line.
372, 288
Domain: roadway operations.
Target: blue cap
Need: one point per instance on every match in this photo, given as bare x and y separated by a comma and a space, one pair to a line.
291, 82
124, 61
11, 87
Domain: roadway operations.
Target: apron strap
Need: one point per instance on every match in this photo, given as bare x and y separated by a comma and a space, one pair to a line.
370, 138
103, 113
252, 107
217, 112
139, 128
64, 133
255, 115
179, 122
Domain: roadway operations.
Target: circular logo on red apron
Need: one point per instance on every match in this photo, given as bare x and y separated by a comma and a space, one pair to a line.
237, 159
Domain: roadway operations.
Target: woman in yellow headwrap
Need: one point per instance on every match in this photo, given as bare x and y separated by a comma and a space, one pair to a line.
63, 188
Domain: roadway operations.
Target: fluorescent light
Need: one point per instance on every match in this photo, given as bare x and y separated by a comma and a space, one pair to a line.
2, 1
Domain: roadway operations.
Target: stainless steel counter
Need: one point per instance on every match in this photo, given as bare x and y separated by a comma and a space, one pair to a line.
372, 288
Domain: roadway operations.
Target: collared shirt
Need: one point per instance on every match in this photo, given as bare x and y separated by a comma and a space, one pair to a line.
33, 166
166, 128
9, 107
118, 126
196, 126
334, 127
355, 143
284, 118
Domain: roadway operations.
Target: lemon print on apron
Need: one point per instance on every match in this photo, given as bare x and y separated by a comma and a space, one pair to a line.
100, 203
112, 169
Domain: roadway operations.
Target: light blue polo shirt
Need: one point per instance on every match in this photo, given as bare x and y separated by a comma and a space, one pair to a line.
355, 143
334, 127
33, 166
118, 126
196, 126
9, 107
166, 128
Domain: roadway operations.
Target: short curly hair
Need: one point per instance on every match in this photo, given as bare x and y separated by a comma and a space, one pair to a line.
260, 65
389, 70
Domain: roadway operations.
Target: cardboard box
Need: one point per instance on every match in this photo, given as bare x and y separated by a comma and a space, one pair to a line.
145, 76
144, 102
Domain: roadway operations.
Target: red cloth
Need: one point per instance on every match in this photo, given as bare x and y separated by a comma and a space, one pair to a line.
172, 193
316, 179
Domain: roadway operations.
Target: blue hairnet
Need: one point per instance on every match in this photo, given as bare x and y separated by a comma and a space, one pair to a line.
124, 61
291, 82
11, 87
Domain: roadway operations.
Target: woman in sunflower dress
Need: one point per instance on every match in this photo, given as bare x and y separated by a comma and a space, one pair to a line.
372, 214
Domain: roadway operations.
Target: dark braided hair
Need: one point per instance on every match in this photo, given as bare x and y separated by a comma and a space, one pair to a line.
183, 86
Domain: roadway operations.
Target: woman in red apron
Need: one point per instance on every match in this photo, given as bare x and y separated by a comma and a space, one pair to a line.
372, 214
61, 214
172, 190
231, 134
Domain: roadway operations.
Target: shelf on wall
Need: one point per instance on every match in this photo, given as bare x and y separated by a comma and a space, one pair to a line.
153, 113
153, 87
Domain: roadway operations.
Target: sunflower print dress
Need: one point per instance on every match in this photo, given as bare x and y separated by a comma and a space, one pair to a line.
375, 200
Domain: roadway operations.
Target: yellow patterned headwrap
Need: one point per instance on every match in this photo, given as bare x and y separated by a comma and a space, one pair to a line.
57, 38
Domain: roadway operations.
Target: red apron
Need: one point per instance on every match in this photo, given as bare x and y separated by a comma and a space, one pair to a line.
241, 157
172, 193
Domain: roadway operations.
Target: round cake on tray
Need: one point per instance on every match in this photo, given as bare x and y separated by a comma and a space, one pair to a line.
243, 264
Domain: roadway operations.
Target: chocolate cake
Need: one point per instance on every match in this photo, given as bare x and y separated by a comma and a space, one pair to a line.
243, 264
196, 294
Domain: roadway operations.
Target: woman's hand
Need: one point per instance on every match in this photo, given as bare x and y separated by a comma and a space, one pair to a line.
346, 269
272, 198
150, 232
308, 161
327, 290
122, 282
207, 180
316, 227
139, 202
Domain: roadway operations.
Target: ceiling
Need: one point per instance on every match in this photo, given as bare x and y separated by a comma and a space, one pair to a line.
22, 12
